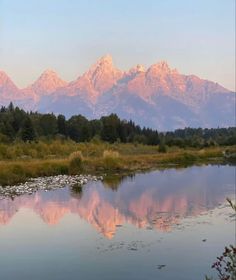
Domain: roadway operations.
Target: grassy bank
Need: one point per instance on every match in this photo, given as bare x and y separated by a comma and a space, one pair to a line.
22, 160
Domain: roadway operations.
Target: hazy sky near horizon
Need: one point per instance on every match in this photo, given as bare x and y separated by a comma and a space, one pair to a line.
196, 37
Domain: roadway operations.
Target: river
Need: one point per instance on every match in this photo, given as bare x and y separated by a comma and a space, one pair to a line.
168, 224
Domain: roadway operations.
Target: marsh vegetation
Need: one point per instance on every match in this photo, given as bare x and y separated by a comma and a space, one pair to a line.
21, 160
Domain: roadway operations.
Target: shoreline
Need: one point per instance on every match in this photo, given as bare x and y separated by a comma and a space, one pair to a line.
47, 184
76, 182
14, 172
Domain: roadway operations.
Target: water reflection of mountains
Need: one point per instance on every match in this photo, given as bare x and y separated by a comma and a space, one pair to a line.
158, 199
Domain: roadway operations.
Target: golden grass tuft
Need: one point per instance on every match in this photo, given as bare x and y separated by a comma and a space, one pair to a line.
111, 154
75, 155
111, 160
76, 162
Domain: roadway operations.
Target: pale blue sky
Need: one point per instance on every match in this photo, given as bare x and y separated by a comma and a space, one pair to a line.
194, 36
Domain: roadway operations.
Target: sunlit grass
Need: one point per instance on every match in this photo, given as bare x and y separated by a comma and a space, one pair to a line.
23, 160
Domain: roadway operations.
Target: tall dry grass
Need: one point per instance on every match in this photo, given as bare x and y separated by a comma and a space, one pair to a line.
23, 160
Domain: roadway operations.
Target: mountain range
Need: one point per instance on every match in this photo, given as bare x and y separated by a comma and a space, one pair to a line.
158, 97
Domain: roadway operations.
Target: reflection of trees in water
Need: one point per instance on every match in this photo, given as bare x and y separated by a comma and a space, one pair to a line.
114, 181
76, 191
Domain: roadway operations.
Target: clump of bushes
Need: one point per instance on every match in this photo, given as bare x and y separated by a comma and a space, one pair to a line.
76, 162
162, 148
111, 159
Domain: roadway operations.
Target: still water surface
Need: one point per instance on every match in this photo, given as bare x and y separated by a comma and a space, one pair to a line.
165, 225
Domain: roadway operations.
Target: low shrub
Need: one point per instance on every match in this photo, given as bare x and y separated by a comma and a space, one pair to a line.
162, 148
75, 162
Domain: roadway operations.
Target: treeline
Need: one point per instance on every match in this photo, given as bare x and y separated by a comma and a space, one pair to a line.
16, 124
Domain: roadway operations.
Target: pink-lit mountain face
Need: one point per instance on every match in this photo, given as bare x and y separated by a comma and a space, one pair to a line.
47, 83
158, 97
8, 90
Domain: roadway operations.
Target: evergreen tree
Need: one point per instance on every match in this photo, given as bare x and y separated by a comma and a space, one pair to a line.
110, 128
27, 132
8, 130
48, 125
11, 107
61, 124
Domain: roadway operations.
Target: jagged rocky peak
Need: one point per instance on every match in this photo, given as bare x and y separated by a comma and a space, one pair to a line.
4, 78
106, 59
48, 73
48, 82
162, 65
103, 74
160, 68
139, 68
8, 90
105, 63
3, 75
6, 84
